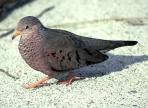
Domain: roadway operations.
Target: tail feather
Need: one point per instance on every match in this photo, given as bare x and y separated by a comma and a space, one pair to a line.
105, 45
115, 44
130, 43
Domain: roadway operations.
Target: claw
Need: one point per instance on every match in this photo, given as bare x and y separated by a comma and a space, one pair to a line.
37, 83
69, 79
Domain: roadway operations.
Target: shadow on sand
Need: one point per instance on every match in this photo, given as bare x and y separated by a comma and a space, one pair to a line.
113, 64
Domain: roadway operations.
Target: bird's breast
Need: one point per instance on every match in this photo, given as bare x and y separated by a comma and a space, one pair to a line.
31, 52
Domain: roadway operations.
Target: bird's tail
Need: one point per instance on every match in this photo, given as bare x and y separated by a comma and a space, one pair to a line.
122, 43
105, 45
126, 43
109, 45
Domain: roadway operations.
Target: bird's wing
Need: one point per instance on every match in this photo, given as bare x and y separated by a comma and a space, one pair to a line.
90, 43
64, 59
66, 52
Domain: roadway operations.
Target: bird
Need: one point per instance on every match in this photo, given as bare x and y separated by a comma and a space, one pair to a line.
55, 51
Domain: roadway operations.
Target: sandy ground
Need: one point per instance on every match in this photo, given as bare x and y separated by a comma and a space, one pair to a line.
120, 82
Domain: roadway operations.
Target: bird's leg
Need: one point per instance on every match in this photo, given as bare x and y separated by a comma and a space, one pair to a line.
69, 79
37, 83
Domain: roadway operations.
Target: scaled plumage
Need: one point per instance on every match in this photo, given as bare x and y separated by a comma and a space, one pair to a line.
53, 51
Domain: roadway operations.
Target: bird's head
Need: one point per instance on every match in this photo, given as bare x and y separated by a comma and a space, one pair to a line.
26, 25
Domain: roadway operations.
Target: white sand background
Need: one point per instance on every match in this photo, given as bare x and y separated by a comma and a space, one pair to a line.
120, 82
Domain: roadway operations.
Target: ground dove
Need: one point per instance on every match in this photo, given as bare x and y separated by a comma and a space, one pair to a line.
54, 51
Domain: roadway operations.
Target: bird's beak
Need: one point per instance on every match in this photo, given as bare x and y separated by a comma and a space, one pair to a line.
15, 34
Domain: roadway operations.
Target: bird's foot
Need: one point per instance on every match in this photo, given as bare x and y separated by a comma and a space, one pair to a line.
69, 80
37, 83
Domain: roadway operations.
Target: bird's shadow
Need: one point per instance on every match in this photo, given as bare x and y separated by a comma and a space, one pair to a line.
115, 63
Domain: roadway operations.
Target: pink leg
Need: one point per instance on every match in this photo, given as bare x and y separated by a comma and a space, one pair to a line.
37, 83
69, 79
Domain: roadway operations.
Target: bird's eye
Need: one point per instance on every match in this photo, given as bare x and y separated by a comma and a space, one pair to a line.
27, 27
